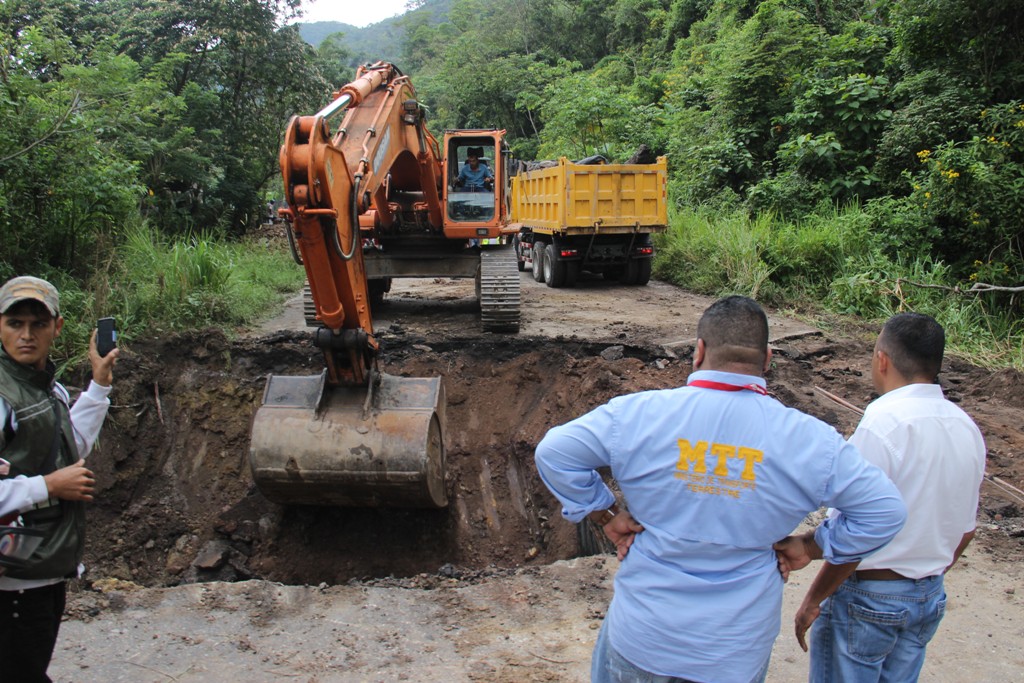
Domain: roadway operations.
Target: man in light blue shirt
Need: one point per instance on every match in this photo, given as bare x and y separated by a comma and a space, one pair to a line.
712, 474
474, 175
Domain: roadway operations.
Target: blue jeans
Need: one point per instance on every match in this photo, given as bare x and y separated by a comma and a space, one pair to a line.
608, 666
872, 631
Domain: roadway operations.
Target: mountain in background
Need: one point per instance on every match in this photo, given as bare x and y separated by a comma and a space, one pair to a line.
380, 41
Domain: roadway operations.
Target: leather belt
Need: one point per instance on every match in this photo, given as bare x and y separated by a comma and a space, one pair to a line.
879, 575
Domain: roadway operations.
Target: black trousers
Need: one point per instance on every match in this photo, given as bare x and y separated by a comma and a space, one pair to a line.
29, 621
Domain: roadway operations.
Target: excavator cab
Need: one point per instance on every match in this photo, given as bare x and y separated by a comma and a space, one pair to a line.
471, 194
474, 183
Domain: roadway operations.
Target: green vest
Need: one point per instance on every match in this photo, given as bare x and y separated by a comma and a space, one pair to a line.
30, 395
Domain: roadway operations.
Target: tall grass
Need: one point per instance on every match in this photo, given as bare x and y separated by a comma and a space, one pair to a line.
153, 285
876, 287
715, 254
835, 261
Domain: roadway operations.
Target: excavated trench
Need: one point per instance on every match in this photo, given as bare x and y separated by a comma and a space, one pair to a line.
177, 502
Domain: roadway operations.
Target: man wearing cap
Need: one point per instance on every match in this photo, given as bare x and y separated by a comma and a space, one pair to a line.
44, 483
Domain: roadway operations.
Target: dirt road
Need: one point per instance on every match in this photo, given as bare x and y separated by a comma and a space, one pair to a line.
196, 577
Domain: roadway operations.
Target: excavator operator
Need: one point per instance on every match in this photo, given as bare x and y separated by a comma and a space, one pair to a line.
475, 176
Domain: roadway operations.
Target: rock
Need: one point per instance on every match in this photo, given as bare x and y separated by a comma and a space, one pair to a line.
613, 353
213, 556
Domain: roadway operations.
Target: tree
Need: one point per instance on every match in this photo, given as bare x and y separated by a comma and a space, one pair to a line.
61, 187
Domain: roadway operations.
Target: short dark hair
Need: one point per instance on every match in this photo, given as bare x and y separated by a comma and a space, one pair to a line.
735, 321
30, 307
915, 343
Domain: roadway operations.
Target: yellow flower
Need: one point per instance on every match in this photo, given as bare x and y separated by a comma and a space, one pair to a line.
928, 195
924, 154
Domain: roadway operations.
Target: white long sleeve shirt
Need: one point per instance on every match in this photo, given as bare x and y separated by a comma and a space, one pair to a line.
935, 454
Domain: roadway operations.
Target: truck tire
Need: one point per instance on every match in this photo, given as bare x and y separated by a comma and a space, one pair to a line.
628, 274
538, 261
643, 275
554, 268
572, 273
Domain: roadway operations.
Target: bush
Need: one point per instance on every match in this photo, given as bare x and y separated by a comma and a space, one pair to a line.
972, 194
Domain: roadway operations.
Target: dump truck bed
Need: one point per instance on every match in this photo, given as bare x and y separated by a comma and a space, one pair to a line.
581, 199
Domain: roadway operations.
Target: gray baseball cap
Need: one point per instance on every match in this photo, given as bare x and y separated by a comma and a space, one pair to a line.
27, 287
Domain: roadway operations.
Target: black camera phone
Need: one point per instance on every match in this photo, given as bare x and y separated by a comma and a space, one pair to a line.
106, 336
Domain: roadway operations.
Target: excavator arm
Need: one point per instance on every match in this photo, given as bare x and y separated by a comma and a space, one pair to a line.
330, 181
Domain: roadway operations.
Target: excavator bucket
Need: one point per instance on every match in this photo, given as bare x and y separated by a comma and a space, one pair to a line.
381, 446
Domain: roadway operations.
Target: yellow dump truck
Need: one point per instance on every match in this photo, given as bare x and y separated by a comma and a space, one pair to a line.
575, 217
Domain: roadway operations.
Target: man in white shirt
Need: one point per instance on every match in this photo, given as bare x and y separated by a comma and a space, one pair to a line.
44, 483
877, 625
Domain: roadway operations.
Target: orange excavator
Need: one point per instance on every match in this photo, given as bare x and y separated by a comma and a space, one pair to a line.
374, 199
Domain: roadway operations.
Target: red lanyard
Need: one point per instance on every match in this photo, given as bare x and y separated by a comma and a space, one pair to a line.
722, 386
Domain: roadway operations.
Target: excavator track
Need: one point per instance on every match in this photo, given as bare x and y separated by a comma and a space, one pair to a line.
499, 290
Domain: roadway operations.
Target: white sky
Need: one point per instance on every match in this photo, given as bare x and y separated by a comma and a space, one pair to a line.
355, 12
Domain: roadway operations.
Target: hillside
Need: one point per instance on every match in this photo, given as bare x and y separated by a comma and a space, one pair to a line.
376, 41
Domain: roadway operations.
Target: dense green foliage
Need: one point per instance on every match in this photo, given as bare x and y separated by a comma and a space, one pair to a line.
159, 285
864, 153
113, 111
147, 123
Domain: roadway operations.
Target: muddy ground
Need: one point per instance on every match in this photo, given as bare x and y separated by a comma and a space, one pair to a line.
177, 506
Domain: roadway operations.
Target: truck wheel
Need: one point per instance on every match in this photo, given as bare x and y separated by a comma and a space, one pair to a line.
520, 261
630, 272
643, 271
554, 268
572, 273
538, 261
